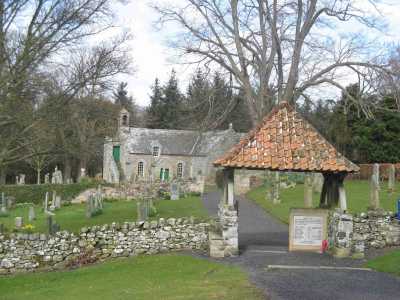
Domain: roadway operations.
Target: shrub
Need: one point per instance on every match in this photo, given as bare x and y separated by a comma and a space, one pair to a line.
36, 193
86, 258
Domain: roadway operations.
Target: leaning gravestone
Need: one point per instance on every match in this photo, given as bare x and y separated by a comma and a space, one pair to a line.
19, 222
31, 214
174, 191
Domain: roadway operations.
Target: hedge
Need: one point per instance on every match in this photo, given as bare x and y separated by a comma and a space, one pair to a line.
36, 193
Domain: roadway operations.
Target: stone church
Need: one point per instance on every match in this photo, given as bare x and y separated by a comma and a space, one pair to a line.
162, 154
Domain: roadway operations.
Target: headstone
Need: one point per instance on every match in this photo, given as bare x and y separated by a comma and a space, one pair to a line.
52, 226
46, 202
31, 215
57, 203
3, 208
174, 191
53, 202
143, 209
374, 186
18, 222
318, 182
17, 180
83, 173
308, 191
57, 176
391, 178
22, 179
10, 201
47, 178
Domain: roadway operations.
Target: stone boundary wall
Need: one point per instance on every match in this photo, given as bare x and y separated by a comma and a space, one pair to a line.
29, 252
352, 235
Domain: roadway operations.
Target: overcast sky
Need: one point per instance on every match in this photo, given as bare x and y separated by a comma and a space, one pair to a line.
151, 56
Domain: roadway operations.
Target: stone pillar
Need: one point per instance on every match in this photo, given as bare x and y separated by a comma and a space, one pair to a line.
341, 233
228, 216
308, 190
374, 186
391, 178
342, 198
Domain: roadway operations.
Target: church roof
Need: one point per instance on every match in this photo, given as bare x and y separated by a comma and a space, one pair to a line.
285, 141
177, 142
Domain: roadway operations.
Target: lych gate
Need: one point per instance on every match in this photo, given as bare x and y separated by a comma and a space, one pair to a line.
283, 141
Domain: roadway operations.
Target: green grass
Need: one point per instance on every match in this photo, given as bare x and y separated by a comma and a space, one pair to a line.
166, 277
389, 263
72, 217
357, 192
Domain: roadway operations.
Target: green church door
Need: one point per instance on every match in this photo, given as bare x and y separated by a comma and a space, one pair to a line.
164, 174
116, 153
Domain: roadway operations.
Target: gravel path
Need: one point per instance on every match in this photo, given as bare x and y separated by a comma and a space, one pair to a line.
263, 242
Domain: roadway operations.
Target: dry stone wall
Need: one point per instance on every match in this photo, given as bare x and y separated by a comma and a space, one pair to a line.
29, 252
353, 235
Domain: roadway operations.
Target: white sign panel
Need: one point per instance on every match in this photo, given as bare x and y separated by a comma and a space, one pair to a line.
307, 231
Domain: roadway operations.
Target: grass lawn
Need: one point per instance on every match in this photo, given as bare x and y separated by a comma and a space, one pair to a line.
357, 192
72, 218
169, 276
389, 263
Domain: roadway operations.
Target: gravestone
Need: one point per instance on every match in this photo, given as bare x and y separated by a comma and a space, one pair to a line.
391, 178
318, 182
21, 179
83, 173
17, 180
52, 226
174, 191
3, 209
374, 186
19, 222
47, 178
308, 190
94, 205
53, 201
46, 202
10, 201
57, 203
57, 176
31, 214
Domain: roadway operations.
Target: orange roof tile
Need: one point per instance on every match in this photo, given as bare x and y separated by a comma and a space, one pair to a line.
286, 141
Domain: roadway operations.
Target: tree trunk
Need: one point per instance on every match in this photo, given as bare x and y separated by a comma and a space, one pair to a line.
330, 189
67, 169
308, 190
3, 175
38, 172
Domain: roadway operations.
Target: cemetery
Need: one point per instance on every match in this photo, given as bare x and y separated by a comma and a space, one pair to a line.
199, 149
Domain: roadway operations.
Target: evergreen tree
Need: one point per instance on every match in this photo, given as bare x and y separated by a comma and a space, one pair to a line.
172, 102
122, 99
154, 111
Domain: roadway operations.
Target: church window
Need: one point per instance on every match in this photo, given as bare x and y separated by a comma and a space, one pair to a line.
140, 169
156, 151
179, 170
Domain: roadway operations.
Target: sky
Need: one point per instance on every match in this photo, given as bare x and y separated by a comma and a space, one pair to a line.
152, 57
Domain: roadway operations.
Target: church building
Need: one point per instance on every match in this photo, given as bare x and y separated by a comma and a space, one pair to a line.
163, 154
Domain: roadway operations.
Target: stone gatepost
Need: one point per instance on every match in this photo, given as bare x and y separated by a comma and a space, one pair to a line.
341, 234
226, 242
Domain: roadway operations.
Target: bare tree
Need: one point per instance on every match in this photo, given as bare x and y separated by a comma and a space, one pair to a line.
35, 36
276, 50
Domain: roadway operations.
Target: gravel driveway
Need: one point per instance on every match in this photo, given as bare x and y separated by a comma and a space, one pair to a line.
263, 243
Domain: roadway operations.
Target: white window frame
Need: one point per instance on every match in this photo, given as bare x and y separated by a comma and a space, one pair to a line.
177, 169
140, 174
158, 151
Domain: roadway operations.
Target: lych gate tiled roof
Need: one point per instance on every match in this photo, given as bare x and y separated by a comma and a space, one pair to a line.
286, 141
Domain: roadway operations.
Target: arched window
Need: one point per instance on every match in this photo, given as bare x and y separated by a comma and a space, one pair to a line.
140, 169
179, 170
